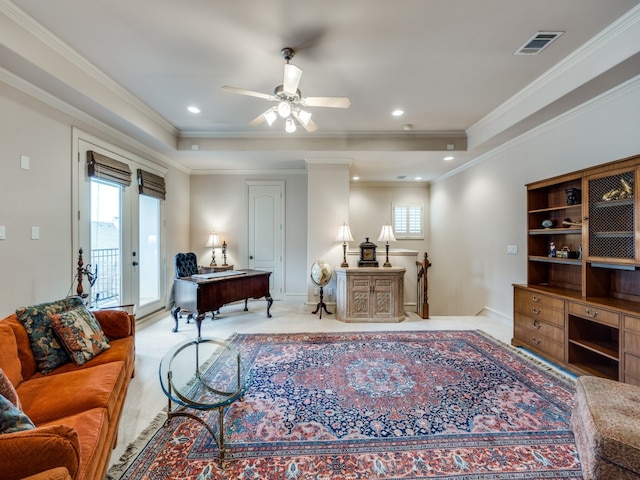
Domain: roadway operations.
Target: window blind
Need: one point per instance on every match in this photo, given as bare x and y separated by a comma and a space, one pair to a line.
106, 168
151, 184
407, 220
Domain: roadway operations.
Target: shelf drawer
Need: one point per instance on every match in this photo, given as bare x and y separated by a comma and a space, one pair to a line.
541, 312
632, 323
539, 342
631, 342
538, 327
594, 313
529, 298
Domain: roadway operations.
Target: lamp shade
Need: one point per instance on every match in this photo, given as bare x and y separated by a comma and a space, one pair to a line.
213, 241
386, 235
344, 234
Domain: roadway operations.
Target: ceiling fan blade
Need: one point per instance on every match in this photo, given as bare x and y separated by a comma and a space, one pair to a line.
250, 93
332, 102
310, 126
292, 75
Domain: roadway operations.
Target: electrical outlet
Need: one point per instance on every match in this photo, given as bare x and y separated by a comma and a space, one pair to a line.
316, 291
512, 249
330, 291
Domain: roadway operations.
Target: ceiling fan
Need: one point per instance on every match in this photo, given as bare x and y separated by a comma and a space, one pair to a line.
290, 101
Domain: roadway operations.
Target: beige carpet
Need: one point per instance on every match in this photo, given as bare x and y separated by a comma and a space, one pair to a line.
154, 337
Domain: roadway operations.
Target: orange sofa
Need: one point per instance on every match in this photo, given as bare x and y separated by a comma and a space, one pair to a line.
75, 409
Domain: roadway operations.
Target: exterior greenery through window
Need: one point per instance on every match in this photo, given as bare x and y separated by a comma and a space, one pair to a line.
407, 221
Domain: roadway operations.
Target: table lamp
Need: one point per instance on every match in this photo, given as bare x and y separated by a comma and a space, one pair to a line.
344, 236
386, 235
224, 253
213, 242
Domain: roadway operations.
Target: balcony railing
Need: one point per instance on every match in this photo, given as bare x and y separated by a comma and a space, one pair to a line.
106, 263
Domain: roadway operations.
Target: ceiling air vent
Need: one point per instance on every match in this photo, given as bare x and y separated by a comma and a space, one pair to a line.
537, 43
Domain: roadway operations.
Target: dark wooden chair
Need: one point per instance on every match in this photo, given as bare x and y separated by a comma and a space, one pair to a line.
186, 264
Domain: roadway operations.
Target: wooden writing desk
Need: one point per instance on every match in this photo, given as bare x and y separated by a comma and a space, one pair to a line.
208, 292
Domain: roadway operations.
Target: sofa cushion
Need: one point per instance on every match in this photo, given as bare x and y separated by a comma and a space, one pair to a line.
36, 319
12, 419
80, 334
8, 391
58, 473
32, 451
92, 427
101, 386
9, 360
115, 323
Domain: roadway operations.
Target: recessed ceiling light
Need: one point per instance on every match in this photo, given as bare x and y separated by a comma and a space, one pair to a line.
418, 178
397, 112
193, 109
448, 158
355, 178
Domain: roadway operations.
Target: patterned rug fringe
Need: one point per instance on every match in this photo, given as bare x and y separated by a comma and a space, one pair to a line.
135, 447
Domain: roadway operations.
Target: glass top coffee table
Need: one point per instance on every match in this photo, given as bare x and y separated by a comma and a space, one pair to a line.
201, 375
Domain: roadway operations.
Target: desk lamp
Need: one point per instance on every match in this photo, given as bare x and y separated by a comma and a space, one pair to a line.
386, 235
213, 242
344, 236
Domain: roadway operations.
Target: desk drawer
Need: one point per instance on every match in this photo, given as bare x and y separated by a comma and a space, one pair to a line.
530, 299
542, 328
594, 313
539, 342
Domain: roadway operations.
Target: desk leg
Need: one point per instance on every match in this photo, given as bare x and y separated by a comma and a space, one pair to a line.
269, 299
174, 312
199, 319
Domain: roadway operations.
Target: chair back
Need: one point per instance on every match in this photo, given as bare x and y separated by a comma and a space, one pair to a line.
186, 264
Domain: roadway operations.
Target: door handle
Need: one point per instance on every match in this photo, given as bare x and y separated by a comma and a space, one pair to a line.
250, 257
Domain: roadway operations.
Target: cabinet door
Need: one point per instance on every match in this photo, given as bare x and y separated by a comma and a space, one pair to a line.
360, 297
611, 217
383, 296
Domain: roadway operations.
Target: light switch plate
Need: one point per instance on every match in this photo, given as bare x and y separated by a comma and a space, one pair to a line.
512, 249
3, 232
35, 233
24, 162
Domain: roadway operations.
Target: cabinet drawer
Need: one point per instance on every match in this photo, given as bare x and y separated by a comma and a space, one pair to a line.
632, 342
542, 312
595, 313
529, 298
632, 323
631, 366
539, 342
542, 328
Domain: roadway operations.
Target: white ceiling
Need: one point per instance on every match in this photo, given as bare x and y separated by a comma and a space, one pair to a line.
450, 64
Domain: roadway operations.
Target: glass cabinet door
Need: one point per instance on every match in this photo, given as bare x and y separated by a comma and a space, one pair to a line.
611, 217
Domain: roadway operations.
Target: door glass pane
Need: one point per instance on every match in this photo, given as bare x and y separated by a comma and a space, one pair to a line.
149, 251
106, 243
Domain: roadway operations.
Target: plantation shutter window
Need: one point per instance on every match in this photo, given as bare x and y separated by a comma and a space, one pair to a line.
151, 184
407, 221
106, 168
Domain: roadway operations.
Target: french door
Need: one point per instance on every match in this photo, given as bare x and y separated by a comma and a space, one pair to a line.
119, 231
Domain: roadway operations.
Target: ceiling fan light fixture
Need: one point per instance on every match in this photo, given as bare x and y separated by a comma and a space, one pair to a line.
290, 126
270, 116
284, 109
304, 117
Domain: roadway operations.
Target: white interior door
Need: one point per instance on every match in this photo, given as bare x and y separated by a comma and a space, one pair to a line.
265, 230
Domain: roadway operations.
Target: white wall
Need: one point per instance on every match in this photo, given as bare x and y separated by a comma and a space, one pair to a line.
35, 271
219, 203
478, 212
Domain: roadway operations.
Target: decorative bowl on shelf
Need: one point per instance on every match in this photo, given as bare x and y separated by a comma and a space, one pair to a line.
547, 223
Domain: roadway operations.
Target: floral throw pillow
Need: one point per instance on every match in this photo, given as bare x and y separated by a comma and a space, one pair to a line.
12, 419
47, 350
7, 390
80, 334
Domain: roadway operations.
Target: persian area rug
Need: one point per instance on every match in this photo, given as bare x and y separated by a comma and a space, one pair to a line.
393, 405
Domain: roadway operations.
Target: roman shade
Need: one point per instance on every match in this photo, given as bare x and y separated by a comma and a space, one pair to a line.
151, 184
106, 168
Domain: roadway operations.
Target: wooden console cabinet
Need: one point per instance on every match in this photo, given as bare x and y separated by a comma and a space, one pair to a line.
370, 294
581, 307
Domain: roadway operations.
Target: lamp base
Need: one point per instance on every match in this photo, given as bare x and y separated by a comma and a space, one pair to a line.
386, 263
344, 265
